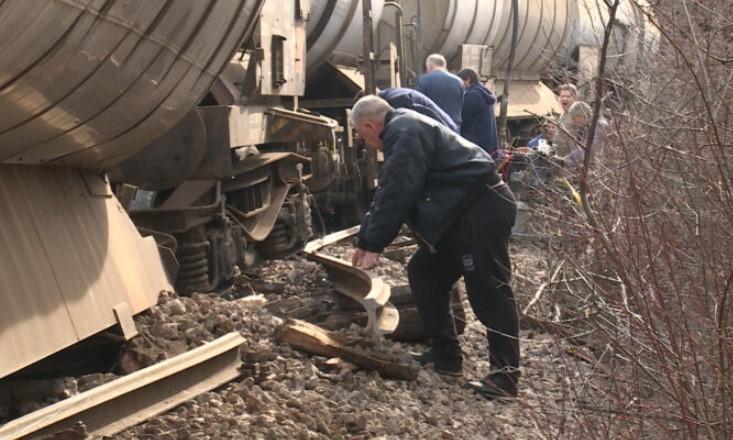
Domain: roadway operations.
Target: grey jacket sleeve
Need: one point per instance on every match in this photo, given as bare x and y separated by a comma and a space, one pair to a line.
402, 181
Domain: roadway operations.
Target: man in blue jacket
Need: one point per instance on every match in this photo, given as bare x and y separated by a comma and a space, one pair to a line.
400, 97
479, 119
449, 193
444, 88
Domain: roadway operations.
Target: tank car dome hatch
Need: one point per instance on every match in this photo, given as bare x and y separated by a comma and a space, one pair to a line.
335, 26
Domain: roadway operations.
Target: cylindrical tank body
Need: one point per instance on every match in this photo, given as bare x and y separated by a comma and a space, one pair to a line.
336, 26
546, 29
86, 83
632, 33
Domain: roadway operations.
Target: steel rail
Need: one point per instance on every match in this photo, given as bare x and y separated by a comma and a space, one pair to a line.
362, 286
115, 406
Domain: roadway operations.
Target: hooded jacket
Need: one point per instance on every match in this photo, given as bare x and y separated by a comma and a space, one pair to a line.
479, 119
401, 97
429, 175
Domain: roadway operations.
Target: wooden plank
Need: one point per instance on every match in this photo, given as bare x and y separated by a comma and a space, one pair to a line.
313, 339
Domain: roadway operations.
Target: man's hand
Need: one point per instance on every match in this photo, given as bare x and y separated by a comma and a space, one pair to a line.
364, 259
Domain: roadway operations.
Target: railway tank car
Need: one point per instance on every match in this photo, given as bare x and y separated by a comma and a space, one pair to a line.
84, 84
244, 189
550, 34
201, 113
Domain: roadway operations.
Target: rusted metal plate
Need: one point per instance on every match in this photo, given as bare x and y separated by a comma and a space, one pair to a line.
67, 258
125, 402
89, 82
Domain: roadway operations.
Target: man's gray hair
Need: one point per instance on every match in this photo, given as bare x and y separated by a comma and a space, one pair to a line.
580, 108
370, 107
436, 60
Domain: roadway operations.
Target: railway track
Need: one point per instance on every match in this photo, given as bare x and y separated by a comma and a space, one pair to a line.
362, 286
115, 406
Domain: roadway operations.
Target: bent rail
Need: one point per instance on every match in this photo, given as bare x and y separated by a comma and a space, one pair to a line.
362, 286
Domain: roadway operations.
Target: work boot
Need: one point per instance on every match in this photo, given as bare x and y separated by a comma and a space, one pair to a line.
448, 367
496, 386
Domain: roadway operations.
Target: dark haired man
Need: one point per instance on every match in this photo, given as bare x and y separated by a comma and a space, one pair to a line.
479, 119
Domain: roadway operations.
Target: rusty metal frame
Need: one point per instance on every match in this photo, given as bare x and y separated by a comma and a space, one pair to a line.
362, 286
115, 406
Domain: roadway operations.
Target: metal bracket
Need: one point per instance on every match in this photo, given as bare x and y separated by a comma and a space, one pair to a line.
123, 314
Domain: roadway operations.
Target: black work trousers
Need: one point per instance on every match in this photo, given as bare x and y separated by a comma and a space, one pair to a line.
476, 247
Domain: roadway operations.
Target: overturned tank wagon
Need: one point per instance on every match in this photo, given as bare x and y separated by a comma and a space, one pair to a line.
83, 85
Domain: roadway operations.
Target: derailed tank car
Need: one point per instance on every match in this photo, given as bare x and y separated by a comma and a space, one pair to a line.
236, 179
218, 96
84, 84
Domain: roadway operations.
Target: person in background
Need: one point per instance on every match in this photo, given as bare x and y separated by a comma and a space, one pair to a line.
444, 88
400, 97
567, 95
571, 147
543, 141
478, 118
449, 193
565, 130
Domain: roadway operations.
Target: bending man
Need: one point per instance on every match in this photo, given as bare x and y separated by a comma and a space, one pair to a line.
447, 190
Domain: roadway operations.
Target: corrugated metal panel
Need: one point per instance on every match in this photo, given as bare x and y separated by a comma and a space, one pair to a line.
68, 255
88, 82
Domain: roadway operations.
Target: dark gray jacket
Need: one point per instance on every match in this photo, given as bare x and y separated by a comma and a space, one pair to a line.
429, 173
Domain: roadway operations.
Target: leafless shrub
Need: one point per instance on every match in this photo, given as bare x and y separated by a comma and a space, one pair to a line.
649, 252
